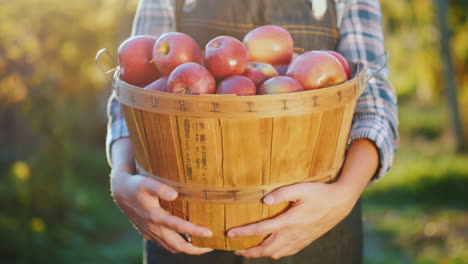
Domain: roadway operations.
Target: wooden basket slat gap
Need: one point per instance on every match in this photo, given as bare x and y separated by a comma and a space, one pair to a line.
276, 145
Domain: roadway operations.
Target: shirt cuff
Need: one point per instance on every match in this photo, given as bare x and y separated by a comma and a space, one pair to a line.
379, 132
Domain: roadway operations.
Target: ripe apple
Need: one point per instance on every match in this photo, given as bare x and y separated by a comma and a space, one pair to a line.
280, 84
281, 69
173, 49
316, 69
135, 55
158, 85
342, 60
191, 78
237, 84
271, 44
258, 72
225, 56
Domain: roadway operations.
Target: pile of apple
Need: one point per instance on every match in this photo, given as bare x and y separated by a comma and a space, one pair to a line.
264, 63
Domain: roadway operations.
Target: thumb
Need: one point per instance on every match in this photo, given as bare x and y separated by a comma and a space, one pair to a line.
158, 189
289, 193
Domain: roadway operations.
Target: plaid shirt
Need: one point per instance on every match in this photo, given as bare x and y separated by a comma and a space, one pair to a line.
361, 39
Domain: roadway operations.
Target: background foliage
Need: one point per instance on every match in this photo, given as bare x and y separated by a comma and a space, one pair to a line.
54, 195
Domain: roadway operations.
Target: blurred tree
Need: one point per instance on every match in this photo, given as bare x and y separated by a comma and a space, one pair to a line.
52, 114
413, 38
449, 76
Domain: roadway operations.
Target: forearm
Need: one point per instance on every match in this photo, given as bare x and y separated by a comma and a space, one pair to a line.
361, 163
123, 158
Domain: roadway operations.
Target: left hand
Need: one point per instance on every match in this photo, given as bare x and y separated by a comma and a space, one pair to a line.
316, 207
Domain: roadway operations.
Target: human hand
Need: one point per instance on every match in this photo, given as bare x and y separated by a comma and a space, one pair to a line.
316, 207
138, 197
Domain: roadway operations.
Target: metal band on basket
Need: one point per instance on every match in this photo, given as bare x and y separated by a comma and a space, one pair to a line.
231, 195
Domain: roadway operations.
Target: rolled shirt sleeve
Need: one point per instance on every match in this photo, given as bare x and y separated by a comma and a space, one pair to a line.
361, 39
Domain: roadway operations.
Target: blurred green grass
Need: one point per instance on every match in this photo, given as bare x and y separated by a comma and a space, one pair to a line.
70, 220
418, 213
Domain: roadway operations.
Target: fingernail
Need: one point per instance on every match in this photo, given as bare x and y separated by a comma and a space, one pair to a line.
208, 249
231, 234
207, 233
170, 195
269, 200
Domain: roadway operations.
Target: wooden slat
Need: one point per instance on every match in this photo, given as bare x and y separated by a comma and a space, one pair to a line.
155, 147
324, 153
292, 137
201, 149
155, 144
211, 216
164, 143
135, 137
344, 135
246, 161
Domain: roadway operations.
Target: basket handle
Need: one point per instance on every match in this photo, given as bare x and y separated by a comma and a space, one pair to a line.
106, 73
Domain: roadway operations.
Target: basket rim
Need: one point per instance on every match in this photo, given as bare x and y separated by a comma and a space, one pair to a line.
233, 106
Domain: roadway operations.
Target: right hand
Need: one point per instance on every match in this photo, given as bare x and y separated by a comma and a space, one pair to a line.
138, 197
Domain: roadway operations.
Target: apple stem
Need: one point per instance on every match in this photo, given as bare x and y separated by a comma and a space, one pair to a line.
152, 60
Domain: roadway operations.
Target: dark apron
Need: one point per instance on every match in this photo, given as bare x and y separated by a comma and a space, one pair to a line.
207, 19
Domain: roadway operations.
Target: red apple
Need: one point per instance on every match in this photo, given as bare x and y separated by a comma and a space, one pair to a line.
135, 55
158, 85
173, 49
258, 72
191, 78
281, 69
280, 84
271, 44
237, 84
316, 69
225, 56
342, 60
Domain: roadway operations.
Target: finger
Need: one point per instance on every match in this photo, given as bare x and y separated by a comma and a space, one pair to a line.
264, 227
178, 244
150, 233
161, 243
266, 249
181, 226
289, 193
158, 189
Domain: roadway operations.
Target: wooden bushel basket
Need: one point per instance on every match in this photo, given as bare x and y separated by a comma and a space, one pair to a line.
223, 153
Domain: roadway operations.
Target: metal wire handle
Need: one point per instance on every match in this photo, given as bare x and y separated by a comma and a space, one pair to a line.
106, 73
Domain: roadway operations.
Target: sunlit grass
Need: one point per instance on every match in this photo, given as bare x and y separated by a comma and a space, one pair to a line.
418, 213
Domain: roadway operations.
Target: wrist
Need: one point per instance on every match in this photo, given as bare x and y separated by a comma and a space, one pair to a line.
360, 166
123, 159
124, 167
350, 192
